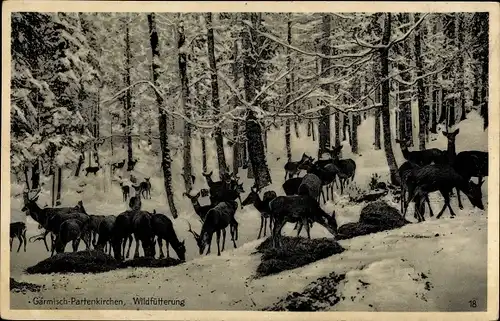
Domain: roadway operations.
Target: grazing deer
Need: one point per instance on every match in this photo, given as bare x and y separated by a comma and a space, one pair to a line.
118, 165
18, 229
217, 220
95, 221
405, 170
262, 206
293, 168
145, 188
201, 211
105, 229
164, 230
442, 178
422, 157
121, 232
125, 191
299, 208
143, 232
69, 231
91, 169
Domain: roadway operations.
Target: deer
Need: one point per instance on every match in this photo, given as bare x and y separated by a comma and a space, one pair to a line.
18, 229
145, 188
201, 211
292, 168
105, 229
69, 231
135, 201
467, 163
143, 232
291, 186
92, 169
118, 165
164, 230
95, 221
131, 164
299, 208
52, 218
326, 175
405, 170
125, 191
422, 157
442, 178
262, 206
217, 220
121, 232
345, 168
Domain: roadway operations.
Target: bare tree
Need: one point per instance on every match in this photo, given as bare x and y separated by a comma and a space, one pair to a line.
128, 99
422, 116
166, 160
288, 91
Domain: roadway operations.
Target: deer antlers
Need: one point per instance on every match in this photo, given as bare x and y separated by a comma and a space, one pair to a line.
196, 236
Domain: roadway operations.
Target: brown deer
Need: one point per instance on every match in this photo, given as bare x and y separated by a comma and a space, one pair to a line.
18, 229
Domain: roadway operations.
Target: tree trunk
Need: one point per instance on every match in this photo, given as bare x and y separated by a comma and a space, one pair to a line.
203, 110
59, 183
461, 65
484, 65
384, 57
221, 158
128, 101
35, 175
324, 121
81, 159
187, 168
162, 116
451, 73
288, 143
252, 78
236, 145
422, 120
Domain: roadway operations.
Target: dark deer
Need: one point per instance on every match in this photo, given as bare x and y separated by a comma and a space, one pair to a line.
118, 165
262, 206
104, 231
69, 231
291, 186
135, 201
18, 229
131, 164
201, 211
125, 191
145, 188
442, 178
164, 230
405, 170
95, 221
121, 232
345, 168
217, 220
143, 232
91, 169
467, 163
299, 208
422, 157
293, 168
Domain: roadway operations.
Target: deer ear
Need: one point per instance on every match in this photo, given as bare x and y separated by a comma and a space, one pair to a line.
457, 131
444, 133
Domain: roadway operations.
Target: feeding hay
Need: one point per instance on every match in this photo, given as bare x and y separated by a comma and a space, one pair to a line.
375, 217
150, 262
23, 287
294, 252
75, 262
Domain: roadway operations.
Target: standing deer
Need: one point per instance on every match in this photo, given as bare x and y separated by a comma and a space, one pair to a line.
201, 211
125, 191
217, 220
118, 165
262, 206
18, 229
442, 178
405, 170
164, 230
135, 201
422, 157
293, 168
145, 188
299, 208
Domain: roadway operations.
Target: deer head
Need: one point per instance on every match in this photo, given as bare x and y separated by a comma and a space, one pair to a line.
451, 136
194, 199
475, 195
146, 179
252, 197
331, 223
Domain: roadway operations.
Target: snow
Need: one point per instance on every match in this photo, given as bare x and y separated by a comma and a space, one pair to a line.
455, 262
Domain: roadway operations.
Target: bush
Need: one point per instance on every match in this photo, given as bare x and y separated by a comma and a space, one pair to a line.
294, 252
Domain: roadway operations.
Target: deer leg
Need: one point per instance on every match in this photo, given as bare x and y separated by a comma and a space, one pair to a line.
136, 252
11, 241
25, 240
167, 244
300, 228
265, 225
270, 224
218, 242
308, 228
429, 204
160, 245
74, 245
323, 194
130, 238
441, 212
261, 222
224, 238
459, 200
446, 196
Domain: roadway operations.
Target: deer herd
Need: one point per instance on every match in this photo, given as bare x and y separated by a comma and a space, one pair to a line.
423, 172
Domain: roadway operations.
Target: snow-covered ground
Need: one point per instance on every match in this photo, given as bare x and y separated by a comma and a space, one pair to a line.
455, 261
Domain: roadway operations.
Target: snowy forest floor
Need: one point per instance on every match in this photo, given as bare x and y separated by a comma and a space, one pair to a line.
392, 262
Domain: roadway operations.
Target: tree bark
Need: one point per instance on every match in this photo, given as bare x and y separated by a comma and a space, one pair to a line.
162, 116
187, 168
384, 57
252, 79
324, 121
221, 158
484, 63
288, 144
422, 119
59, 183
128, 100
236, 130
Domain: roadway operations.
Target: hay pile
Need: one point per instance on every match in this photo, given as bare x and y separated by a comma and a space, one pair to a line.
294, 252
375, 217
317, 296
75, 262
23, 286
150, 262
